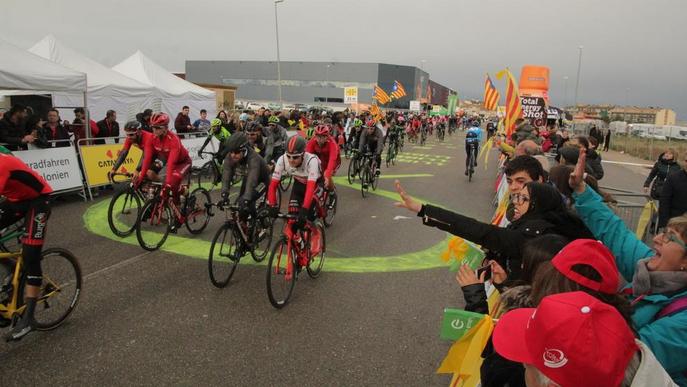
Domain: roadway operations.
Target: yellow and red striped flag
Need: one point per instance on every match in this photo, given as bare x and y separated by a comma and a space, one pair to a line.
398, 90
381, 96
491, 95
376, 112
513, 106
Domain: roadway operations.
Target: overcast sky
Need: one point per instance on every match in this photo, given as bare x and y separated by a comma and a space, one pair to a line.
640, 45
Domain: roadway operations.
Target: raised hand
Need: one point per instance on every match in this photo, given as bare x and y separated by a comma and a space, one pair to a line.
406, 200
576, 180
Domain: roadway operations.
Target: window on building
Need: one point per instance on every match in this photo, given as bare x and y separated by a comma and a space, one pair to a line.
320, 99
339, 100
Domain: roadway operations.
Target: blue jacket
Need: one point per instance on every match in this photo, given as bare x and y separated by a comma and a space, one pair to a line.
477, 132
667, 336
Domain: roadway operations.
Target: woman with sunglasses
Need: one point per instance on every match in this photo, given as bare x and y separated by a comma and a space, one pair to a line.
136, 136
657, 279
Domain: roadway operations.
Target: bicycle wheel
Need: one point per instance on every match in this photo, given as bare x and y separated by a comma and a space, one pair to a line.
207, 175
314, 267
285, 183
374, 179
352, 170
365, 180
262, 236
197, 212
153, 224
471, 169
123, 212
389, 154
60, 290
330, 208
220, 265
280, 281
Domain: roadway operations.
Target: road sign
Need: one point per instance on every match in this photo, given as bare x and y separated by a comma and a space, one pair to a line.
351, 94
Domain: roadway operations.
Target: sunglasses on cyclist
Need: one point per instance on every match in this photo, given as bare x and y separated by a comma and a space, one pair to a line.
518, 198
159, 127
294, 157
667, 237
130, 134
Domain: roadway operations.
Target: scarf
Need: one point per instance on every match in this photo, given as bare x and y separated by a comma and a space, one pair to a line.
656, 282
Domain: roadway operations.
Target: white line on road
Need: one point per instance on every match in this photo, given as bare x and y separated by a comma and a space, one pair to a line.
117, 265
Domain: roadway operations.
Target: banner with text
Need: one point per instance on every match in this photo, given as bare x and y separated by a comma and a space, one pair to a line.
99, 159
192, 145
351, 94
534, 110
59, 166
415, 106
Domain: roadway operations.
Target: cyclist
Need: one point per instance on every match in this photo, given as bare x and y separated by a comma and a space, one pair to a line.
372, 140
218, 131
354, 135
254, 134
256, 176
305, 169
275, 141
26, 195
166, 146
136, 136
473, 136
325, 147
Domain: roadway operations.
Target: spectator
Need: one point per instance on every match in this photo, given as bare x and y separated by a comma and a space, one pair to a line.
656, 280
108, 127
667, 163
144, 119
673, 201
34, 125
594, 132
202, 124
283, 121
576, 340
607, 140
593, 158
182, 124
234, 124
222, 115
13, 129
53, 131
264, 118
77, 126
559, 176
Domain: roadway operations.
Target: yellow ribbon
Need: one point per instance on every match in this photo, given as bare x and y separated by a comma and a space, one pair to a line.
644, 218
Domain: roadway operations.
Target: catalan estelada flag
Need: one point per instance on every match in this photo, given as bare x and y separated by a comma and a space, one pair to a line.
398, 90
491, 95
513, 106
376, 112
381, 96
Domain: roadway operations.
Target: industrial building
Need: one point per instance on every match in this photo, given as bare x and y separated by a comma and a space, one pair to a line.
317, 82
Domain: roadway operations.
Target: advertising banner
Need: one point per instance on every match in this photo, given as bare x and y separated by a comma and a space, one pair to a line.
59, 166
99, 159
351, 94
452, 104
534, 110
415, 106
192, 145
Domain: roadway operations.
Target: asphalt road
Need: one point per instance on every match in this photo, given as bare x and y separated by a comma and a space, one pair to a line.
372, 318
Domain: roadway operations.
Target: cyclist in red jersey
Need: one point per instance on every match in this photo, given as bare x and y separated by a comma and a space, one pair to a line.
325, 147
26, 195
137, 137
167, 147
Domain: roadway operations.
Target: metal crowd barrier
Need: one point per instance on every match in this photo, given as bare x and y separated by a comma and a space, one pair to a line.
633, 208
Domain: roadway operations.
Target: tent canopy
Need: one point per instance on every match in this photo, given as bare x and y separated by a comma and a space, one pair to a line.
101, 79
146, 71
22, 70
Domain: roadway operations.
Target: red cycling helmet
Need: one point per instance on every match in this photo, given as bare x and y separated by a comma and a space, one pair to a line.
322, 130
159, 119
370, 124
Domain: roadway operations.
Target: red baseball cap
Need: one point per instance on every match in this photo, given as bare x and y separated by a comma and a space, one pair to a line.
572, 338
592, 253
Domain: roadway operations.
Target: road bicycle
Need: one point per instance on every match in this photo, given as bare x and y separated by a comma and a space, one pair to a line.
235, 238
353, 166
472, 160
293, 251
326, 206
441, 132
368, 174
122, 212
161, 215
210, 174
392, 151
59, 293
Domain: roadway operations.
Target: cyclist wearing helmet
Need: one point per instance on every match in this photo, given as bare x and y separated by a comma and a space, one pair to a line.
167, 147
137, 137
354, 136
326, 148
372, 140
473, 136
256, 174
275, 140
305, 169
221, 134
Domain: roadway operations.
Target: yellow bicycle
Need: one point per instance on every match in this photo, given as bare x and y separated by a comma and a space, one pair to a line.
60, 290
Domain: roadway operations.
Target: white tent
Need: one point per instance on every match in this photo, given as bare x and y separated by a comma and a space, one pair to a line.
107, 89
175, 92
22, 70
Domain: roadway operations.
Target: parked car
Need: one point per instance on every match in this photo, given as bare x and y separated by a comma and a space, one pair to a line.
255, 105
274, 106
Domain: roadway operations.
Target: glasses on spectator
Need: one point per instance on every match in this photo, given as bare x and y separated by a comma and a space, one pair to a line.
518, 198
667, 237
294, 157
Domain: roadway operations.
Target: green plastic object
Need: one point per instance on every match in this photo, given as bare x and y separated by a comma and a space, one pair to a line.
457, 322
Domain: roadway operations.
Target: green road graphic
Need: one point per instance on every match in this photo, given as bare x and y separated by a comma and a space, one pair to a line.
421, 158
95, 219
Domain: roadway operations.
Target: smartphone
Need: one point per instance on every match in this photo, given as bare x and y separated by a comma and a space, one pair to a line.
483, 269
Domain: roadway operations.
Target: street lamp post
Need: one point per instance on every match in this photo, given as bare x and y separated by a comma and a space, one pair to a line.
577, 83
276, 28
565, 92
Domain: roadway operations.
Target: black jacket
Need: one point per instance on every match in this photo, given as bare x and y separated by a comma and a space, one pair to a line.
107, 131
673, 197
594, 162
12, 134
45, 134
658, 175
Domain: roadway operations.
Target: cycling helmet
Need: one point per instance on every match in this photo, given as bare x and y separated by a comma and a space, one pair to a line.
159, 119
322, 130
357, 122
370, 124
273, 120
401, 119
132, 126
253, 127
295, 145
215, 122
243, 117
237, 143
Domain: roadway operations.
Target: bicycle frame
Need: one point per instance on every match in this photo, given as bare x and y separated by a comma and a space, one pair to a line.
9, 310
291, 246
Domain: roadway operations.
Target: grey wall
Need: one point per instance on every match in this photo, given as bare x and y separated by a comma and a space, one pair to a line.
389, 73
301, 81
